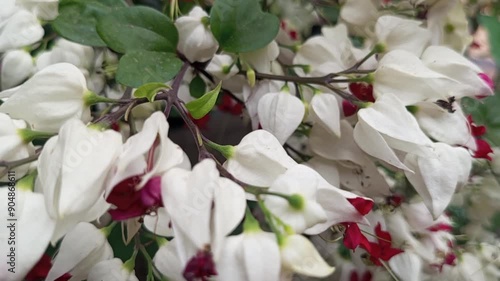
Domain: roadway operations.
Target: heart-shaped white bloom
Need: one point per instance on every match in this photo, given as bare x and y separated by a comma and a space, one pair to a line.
446, 61
43, 9
325, 110
259, 159
222, 67
443, 126
17, 66
111, 270
66, 51
252, 96
332, 52
18, 28
13, 147
280, 113
396, 33
401, 69
407, 266
387, 126
82, 248
30, 235
360, 15
71, 173
49, 98
437, 177
299, 255
301, 182
261, 59
204, 209
196, 41
449, 24
203, 206
250, 256
134, 154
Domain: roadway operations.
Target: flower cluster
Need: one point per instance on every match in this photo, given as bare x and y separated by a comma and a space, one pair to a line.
361, 163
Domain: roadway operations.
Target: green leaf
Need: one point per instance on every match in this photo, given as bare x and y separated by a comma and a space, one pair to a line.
78, 18
493, 26
197, 87
138, 28
240, 25
141, 67
202, 106
149, 91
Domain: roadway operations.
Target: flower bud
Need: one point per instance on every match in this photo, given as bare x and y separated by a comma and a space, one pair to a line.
20, 29
17, 66
196, 41
49, 98
13, 147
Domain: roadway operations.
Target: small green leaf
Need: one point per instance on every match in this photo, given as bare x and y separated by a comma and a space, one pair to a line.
240, 25
141, 67
138, 28
149, 91
197, 87
202, 106
78, 18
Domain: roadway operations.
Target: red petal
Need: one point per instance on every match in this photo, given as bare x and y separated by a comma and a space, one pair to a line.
352, 236
483, 149
487, 80
124, 194
354, 276
440, 227
384, 237
388, 253
363, 206
348, 108
367, 276
363, 91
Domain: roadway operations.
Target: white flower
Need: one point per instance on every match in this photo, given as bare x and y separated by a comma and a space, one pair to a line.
449, 25
343, 157
398, 33
299, 255
301, 184
259, 159
386, 126
445, 61
407, 266
401, 69
42, 9
82, 248
204, 208
111, 270
66, 51
261, 59
252, 96
325, 110
17, 66
280, 113
19, 29
250, 256
133, 159
71, 173
222, 67
49, 98
196, 41
332, 52
360, 15
437, 176
31, 233
443, 126
13, 146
